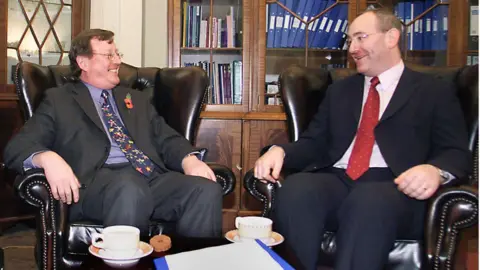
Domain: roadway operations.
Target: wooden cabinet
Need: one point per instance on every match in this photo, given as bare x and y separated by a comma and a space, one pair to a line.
218, 34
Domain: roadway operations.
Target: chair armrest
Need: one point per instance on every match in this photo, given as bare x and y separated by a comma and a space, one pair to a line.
52, 217
225, 177
449, 211
264, 192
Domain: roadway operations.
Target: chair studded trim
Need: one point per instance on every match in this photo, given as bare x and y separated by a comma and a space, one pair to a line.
49, 232
453, 231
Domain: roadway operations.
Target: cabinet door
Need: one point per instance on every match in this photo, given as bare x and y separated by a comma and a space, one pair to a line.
426, 38
258, 134
298, 32
211, 34
223, 139
40, 31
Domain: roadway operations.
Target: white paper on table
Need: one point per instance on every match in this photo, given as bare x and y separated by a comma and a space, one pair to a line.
236, 256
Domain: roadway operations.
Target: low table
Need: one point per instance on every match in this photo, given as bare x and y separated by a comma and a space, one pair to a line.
182, 244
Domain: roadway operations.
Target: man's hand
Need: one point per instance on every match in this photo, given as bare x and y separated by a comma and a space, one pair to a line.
193, 166
60, 176
419, 182
268, 166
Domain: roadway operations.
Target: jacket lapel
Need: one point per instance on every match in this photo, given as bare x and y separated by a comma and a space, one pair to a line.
127, 115
83, 98
357, 94
405, 88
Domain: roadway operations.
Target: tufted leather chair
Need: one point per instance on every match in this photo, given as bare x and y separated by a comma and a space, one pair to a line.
177, 95
452, 209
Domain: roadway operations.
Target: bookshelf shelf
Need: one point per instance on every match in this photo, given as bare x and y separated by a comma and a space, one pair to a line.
211, 49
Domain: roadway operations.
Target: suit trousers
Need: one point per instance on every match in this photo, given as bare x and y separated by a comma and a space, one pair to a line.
119, 195
367, 214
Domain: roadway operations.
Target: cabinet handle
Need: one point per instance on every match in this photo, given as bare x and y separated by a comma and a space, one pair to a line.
238, 167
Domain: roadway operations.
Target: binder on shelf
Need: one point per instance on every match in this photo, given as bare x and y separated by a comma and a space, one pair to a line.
435, 34
329, 28
427, 27
443, 27
320, 36
313, 28
279, 24
407, 19
418, 25
300, 36
272, 8
296, 23
338, 26
287, 23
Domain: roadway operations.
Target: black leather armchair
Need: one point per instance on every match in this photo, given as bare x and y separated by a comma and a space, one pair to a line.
177, 95
452, 209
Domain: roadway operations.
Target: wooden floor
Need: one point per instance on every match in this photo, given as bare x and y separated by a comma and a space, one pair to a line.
467, 255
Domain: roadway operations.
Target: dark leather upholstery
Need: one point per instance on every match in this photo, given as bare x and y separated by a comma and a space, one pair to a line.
177, 95
453, 208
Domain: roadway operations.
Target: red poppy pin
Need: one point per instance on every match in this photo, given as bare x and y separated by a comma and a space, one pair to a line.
128, 101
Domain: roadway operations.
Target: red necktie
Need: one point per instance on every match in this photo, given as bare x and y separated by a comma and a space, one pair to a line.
359, 161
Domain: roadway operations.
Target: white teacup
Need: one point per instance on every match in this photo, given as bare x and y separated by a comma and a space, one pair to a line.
254, 227
120, 242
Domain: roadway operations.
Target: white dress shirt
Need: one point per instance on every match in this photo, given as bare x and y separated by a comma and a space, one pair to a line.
388, 83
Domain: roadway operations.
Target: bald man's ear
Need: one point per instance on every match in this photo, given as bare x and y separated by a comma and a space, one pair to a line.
393, 38
82, 62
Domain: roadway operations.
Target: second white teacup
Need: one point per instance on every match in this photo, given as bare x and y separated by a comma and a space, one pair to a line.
254, 227
120, 241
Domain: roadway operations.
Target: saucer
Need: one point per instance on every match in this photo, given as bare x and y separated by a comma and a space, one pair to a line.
144, 249
274, 240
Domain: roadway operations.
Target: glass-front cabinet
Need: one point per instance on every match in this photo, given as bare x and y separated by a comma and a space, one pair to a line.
211, 36
39, 31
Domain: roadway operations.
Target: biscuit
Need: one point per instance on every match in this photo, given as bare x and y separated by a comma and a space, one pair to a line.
161, 243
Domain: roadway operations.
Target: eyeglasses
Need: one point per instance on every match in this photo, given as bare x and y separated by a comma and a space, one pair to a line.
111, 56
359, 38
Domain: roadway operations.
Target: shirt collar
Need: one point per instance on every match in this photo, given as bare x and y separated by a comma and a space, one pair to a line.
95, 92
389, 76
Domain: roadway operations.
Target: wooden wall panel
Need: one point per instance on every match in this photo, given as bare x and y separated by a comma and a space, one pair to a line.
258, 134
223, 140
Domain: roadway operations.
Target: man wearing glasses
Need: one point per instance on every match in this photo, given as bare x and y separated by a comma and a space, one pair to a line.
381, 143
110, 141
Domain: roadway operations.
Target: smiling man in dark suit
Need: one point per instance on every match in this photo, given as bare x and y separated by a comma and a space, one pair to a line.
111, 140
381, 143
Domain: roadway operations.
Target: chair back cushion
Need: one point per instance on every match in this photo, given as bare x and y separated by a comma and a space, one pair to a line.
178, 96
302, 89
177, 93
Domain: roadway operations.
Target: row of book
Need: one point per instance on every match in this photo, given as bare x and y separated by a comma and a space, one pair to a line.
287, 31
428, 32
226, 81
196, 28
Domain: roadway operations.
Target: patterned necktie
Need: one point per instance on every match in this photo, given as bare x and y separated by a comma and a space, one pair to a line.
359, 161
118, 132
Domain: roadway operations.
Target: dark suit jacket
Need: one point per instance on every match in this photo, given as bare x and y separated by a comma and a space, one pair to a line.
68, 123
423, 123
